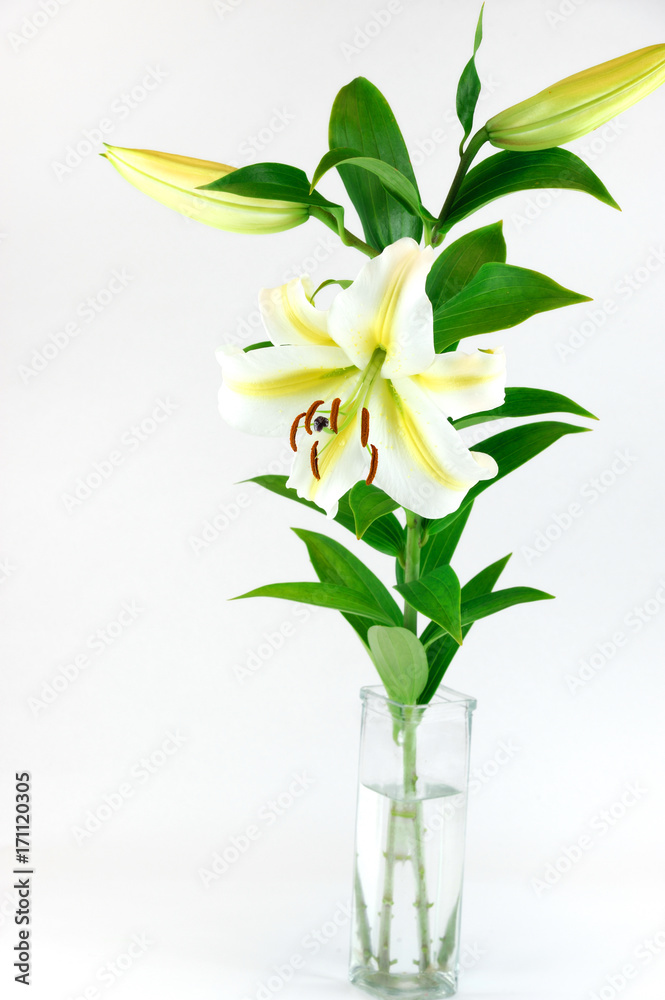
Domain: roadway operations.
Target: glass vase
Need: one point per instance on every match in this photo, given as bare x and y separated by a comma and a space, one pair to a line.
410, 831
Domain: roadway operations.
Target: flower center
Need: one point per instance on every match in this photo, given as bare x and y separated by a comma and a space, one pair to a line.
340, 414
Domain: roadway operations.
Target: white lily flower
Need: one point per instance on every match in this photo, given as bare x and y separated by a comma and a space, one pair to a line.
361, 390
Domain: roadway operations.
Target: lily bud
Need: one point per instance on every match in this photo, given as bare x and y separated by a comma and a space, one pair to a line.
580, 103
174, 181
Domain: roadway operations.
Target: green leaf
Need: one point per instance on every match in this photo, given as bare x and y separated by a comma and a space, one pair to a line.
440, 547
342, 282
510, 449
275, 181
256, 347
455, 266
489, 604
525, 403
437, 595
391, 178
498, 297
335, 564
401, 662
324, 595
450, 938
507, 172
385, 535
440, 653
368, 503
361, 119
468, 88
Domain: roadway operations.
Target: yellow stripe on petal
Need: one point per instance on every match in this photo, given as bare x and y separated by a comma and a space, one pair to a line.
462, 383
423, 462
289, 382
290, 318
411, 435
387, 306
264, 390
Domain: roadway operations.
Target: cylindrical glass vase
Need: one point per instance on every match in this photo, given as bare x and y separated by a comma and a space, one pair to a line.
410, 831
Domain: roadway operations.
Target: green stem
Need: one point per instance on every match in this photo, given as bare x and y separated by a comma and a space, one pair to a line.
414, 537
412, 564
387, 902
347, 237
417, 852
466, 159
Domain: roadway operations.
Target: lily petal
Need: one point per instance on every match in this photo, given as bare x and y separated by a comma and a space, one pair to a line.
290, 318
264, 390
387, 306
423, 463
462, 383
342, 462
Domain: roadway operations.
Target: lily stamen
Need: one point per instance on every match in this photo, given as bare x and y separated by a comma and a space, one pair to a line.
314, 460
294, 431
310, 413
373, 466
364, 427
334, 413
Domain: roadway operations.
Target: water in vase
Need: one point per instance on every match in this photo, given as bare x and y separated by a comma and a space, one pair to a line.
407, 892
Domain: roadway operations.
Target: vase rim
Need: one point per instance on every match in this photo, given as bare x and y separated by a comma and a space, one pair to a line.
445, 700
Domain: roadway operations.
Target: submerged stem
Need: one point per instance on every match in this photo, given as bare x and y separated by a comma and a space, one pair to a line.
387, 902
417, 852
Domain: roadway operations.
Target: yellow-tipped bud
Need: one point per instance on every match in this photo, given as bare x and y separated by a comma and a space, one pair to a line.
174, 181
580, 103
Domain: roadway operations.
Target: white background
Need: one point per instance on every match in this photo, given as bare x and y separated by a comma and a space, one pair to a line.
218, 77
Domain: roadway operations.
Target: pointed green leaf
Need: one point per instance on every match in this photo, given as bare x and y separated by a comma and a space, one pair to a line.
256, 347
368, 503
439, 549
386, 535
525, 403
361, 119
510, 449
489, 604
498, 297
323, 595
342, 282
335, 564
441, 652
391, 178
468, 88
437, 595
275, 181
450, 938
505, 173
401, 662
459, 263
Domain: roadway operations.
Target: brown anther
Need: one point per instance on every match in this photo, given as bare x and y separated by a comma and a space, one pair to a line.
364, 427
310, 413
334, 412
294, 431
373, 465
314, 461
